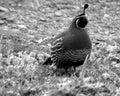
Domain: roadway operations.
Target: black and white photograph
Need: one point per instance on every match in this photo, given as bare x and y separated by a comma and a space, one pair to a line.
59, 47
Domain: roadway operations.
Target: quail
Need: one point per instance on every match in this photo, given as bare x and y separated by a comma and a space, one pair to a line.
70, 48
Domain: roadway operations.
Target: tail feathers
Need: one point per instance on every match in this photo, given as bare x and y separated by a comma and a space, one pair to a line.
48, 61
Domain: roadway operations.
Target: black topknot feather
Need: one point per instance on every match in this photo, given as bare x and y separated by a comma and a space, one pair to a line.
85, 7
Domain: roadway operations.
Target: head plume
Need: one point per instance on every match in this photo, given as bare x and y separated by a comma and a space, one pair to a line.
81, 20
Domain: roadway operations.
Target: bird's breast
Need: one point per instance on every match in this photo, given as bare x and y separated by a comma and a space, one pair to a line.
72, 55
77, 42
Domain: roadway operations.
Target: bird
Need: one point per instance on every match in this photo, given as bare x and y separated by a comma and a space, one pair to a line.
71, 47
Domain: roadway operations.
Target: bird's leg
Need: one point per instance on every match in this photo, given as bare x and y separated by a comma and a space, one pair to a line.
83, 68
74, 70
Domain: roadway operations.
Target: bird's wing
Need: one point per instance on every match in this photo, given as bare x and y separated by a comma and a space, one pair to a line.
57, 45
56, 50
62, 43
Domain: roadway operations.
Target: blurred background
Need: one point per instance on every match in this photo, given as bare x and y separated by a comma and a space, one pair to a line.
26, 29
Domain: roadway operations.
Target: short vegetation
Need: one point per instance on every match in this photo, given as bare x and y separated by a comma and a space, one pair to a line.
26, 31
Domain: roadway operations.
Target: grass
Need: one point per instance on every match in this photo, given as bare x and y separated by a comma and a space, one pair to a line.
23, 28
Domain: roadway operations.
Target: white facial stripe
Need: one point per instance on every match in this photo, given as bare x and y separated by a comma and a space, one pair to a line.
77, 23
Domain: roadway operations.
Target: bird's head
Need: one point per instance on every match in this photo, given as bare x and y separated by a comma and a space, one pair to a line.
80, 21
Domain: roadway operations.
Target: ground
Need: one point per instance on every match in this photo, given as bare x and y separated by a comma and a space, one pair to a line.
26, 29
